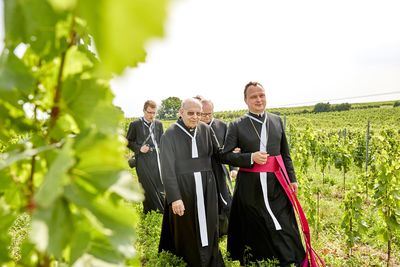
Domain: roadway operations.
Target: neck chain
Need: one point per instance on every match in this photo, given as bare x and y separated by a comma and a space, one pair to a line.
258, 135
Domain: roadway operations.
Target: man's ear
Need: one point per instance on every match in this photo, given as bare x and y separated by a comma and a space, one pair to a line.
181, 111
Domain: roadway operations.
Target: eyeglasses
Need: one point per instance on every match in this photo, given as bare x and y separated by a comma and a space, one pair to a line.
192, 113
150, 112
206, 114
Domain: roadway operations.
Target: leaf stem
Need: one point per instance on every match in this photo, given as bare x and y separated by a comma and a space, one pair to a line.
55, 110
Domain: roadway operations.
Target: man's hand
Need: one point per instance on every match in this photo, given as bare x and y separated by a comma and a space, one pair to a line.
178, 207
236, 150
294, 187
260, 157
145, 149
233, 174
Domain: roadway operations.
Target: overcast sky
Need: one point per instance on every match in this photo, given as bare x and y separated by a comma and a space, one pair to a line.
303, 52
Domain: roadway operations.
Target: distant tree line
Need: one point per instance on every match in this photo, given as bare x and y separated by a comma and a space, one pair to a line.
326, 107
169, 109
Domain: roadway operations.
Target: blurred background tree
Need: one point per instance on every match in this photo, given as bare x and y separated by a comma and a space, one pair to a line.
169, 108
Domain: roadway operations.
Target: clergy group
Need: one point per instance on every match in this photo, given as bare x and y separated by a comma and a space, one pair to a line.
184, 175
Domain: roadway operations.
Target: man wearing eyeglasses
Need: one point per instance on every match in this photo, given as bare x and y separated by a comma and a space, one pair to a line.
190, 222
262, 222
223, 176
144, 136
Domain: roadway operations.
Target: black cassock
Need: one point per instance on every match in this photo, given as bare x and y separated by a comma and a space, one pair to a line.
147, 166
222, 178
262, 223
188, 176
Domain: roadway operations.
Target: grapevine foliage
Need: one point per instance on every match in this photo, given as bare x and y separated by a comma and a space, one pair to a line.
64, 186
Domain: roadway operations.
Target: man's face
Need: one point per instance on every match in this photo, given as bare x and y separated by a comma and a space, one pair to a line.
255, 99
191, 114
150, 113
207, 113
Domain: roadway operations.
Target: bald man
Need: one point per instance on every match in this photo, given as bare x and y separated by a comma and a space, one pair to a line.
190, 222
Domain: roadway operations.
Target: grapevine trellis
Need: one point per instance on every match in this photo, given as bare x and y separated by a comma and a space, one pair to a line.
378, 152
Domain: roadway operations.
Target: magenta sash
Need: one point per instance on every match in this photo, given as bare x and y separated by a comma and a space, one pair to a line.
275, 164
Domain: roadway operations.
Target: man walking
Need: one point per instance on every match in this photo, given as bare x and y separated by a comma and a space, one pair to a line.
190, 222
144, 137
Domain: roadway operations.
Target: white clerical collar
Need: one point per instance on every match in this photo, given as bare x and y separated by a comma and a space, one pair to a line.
258, 118
148, 122
261, 114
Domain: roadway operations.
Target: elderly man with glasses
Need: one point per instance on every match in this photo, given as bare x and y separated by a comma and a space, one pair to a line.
190, 222
223, 176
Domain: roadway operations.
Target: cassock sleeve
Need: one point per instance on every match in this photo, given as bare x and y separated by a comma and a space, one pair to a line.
225, 128
216, 145
131, 137
167, 159
162, 129
286, 155
231, 142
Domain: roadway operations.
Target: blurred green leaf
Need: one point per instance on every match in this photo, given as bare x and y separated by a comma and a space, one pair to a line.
52, 184
125, 187
40, 27
102, 249
16, 81
51, 227
76, 62
80, 241
119, 218
65, 125
14, 23
122, 28
98, 152
62, 5
90, 104
14, 156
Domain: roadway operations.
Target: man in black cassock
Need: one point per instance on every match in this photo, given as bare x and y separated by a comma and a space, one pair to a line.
222, 174
190, 222
144, 136
262, 223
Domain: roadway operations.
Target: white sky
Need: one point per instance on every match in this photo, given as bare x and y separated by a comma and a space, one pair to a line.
303, 52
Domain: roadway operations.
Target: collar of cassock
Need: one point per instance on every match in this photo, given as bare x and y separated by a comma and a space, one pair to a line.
260, 117
190, 130
148, 123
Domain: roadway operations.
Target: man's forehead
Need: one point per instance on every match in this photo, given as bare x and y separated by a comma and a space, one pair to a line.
207, 105
192, 106
255, 89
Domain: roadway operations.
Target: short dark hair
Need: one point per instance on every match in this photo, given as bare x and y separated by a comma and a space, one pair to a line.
149, 103
198, 97
251, 84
